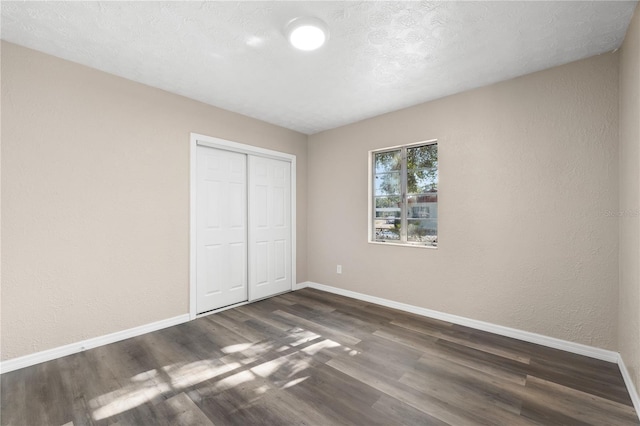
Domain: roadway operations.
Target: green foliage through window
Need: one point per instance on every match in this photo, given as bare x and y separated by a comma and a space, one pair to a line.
405, 194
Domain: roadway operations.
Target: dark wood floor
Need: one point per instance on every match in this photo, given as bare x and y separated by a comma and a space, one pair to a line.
313, 358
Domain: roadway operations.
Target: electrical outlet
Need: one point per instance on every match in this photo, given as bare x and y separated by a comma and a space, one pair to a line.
339, 269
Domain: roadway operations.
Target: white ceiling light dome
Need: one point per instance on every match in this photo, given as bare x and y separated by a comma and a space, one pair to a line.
307, 33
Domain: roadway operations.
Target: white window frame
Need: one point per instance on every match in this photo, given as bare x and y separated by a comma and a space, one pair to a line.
403, 176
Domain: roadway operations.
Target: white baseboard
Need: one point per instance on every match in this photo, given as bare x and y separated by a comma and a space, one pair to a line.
298, 286
59, 352
633, 393
552, 342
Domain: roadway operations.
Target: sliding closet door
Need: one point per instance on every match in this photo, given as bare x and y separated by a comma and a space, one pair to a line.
269, 227
221, 234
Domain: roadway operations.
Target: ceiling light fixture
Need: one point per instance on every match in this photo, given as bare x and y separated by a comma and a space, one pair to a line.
307, 33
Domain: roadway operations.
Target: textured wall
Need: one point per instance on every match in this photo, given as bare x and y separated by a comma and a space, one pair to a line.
528, 179
629, 328
95, 198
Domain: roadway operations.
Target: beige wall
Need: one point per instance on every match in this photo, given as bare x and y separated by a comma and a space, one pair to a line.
629, 327
528, 182
95, 199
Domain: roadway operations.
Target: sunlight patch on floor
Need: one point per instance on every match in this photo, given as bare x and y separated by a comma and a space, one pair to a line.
197, 372
268, 368
144, 387
126, 398
149, 385
317, 347
232, 381
295, 382
303, 336
231, 349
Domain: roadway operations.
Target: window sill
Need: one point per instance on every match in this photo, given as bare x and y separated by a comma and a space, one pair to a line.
380, 243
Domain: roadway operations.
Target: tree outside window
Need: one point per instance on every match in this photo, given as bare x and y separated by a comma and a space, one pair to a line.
405, 194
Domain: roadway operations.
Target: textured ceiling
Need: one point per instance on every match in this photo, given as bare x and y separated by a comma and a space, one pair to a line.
381, 56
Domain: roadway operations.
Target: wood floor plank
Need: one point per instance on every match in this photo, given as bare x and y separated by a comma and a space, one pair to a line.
585, 379
347, 324
332, 299
578, 405
71, 368
101, 387
445, 382
286, 409
495, 365
180, 410
337, 395
308, 302
466, 339
390, 361
208, 338
318, 359
320, 329
248, 353
404, 414
232, 399
434, 407
402, 336
368, 317
240, 328
42, 401
13, 397
263, 311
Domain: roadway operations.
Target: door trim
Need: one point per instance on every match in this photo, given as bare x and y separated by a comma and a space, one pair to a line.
203, 140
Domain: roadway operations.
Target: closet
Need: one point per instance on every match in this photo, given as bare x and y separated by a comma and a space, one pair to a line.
243, 223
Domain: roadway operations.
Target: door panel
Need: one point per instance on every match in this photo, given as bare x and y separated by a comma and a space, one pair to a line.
213, 263
269, 227
261, 267
221, 230
280, 259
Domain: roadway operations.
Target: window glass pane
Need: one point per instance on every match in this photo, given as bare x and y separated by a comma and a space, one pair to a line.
388, 161
423, 231
387, 183
422, 157
423, 206
388, 214
422, 218
387, 230
388, 202
422, 180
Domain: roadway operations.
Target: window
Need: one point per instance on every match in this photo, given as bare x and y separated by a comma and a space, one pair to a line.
404, 195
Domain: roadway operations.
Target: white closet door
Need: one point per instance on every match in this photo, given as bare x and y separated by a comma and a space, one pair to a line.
269, 227
221, 221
